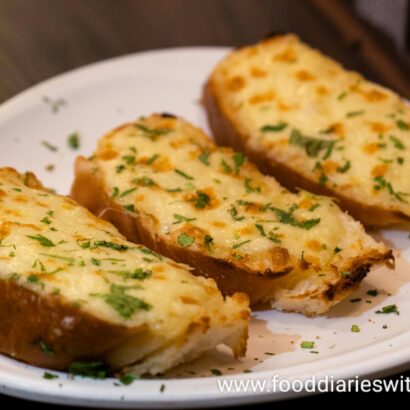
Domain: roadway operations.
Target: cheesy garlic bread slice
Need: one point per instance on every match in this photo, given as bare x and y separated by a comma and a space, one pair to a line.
73, 289
304, 119
165, 184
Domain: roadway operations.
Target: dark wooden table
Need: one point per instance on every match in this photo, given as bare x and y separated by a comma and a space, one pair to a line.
42, 38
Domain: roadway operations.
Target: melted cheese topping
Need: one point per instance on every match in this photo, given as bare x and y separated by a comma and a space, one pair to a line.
328, 124
212, 200
58, 249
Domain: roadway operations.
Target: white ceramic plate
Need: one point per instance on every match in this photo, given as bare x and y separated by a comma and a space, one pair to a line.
101, 96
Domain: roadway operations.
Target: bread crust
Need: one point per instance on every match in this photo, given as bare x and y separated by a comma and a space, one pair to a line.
88, 191
226, 133
49, 332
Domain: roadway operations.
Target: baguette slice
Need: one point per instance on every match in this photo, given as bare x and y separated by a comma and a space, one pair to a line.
304, 119
164, 183
72, 288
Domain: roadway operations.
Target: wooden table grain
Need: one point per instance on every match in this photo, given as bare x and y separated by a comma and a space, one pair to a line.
42, 38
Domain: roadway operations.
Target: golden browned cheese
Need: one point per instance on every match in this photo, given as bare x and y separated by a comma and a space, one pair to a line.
164, 183
310, 123
72, 288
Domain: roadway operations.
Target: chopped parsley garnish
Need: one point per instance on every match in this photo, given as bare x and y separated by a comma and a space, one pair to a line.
73, 140
337, 249
69, 259
127, 379
404, 126
56, 104
129, 207
183, 174
202, 200
138, 273
356, 300
126, 192
119, 168
342, 95
147, 251
261, 229
344, 168
128, 159
323, 179
49, 376
397, 143
227, 168
152, 159
185, 240
95, 370
180, 218
152, 133
287, 217
381, 183
125, 305
46, 220
95, 262
274, 128
238, 245
346, 274
216, 372
143, 181
49, 146
355, 329
84, 243
234, 214
204, 157
208, 242
115, 192
389, 309
111, 245
249, 188
42, 240
174, 190
314, 207
307, 344
373, 292
354, 113
46, 348
312, 146
238, 159
162, 388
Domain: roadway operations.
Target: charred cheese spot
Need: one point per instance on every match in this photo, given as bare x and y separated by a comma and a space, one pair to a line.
379, 127
108, 155
262, 98
163, 164
283, 106
371, 147
373, 95
304, 75
235, 84
330, 166
379, 170
322, 90
313, 245
218, 224
286, 56
258, 73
